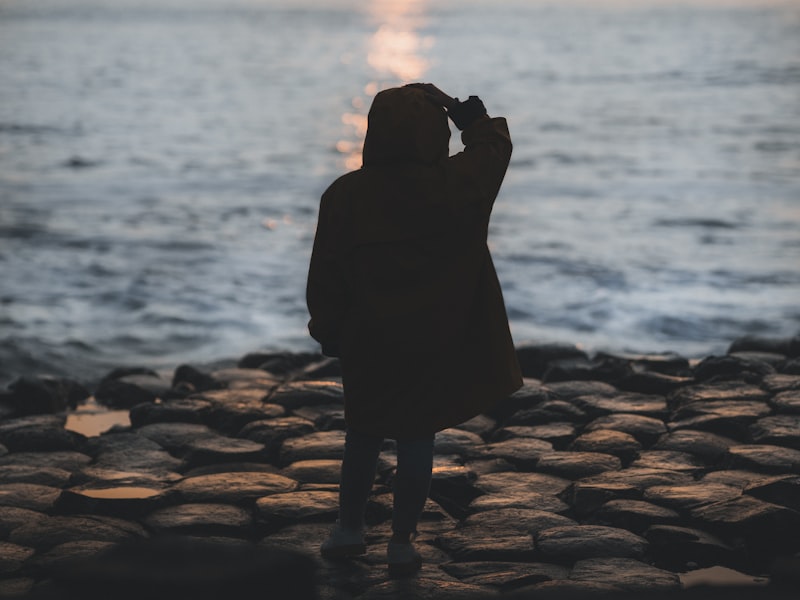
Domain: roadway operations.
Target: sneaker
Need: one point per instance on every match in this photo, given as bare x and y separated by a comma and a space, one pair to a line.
343, 543
403, 559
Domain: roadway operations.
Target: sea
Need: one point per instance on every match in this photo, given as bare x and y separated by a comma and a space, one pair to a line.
161, 163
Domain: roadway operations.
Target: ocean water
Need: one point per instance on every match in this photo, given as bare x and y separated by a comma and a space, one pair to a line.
161, 163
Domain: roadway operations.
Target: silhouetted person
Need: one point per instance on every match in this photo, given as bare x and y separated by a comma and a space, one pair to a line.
401, 287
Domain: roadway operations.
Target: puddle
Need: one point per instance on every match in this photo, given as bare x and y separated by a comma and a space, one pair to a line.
91, 419
720, 576
120, 493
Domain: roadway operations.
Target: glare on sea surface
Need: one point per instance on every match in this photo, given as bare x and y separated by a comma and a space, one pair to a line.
395, 55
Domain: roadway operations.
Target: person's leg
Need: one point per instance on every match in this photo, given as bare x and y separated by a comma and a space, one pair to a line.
411, 486
358, 474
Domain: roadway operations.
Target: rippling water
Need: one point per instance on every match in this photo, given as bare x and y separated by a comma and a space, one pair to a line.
161, 164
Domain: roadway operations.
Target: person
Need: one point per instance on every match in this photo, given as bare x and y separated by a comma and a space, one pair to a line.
401, 287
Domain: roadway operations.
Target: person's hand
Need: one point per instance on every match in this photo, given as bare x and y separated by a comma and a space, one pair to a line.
435, 95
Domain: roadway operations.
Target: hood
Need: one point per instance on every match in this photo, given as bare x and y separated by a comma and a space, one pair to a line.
404, 126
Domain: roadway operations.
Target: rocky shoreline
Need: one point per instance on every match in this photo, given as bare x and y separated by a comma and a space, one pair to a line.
613, 474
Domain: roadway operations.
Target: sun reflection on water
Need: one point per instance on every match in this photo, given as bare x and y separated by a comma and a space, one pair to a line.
395, 55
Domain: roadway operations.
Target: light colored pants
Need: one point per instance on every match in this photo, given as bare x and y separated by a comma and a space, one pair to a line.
412, 480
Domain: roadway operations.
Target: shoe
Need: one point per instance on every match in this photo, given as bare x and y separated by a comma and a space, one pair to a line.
403, 559
343, 543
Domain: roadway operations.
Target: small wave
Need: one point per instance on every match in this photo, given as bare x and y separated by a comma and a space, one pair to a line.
26, 129
689, 222
78, 162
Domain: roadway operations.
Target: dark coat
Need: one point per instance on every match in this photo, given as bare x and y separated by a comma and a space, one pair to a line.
401, 285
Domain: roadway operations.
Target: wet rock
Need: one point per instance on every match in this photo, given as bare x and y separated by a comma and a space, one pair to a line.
569, 390
524, 453
174, 437
676, 547
523, 483
586, 497
272, 432
168, 567
642, 477
782, 489
709, 447
531, 394
452, 487
294, 507
12, 517
576, 542
471, 543
190, 379
232, 488
626, 574
781, 382
734, 477
517, 520
459, 442
120, 501
279, 363
103, 477
645, 429
534, 359
574, 369
670, 460
686, 497
576, 465
50, 476
208, 519
731, 367
557, 434
40, 498
314, 471
318, 445
482, 425
649, 382
561, 589
184, 410
787, 402
719, 391
667, 363
237, 467
324, 416
65, 554
130, 390
38, 395
522, 500
152, 461
748, 516
634, 515
295, 394
607, 441
765, 458
547, 412
236, 378
504, 576
221, 449
18, 587
12, 557
425, 587
40, 439
51, 531
779, 430
755, 343
63, 459
637, 404
233, 409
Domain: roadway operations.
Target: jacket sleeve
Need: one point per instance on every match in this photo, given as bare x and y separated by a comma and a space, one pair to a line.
326, 296
482, 165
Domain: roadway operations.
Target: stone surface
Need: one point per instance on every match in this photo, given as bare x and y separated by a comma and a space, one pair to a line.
645, 429
518, 520
669, 460
778, 430
585, 497
40, 498
706, 446
307, 393
675, 547
12, 556
505, 576
637, 404
65, 459
765, 458
471, 543
685, 497
634, 515
529, 500
69, 552
607, 441
643, 478
183, 410
50, 476
202, 519
524, 453
232, 488
514, 482
297, 507
576, 542
780, 489
318, 445
788, 401
314, 471
575, 465
626, 574
51, 531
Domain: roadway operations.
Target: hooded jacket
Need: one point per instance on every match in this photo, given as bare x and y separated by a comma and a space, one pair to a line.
401, 285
